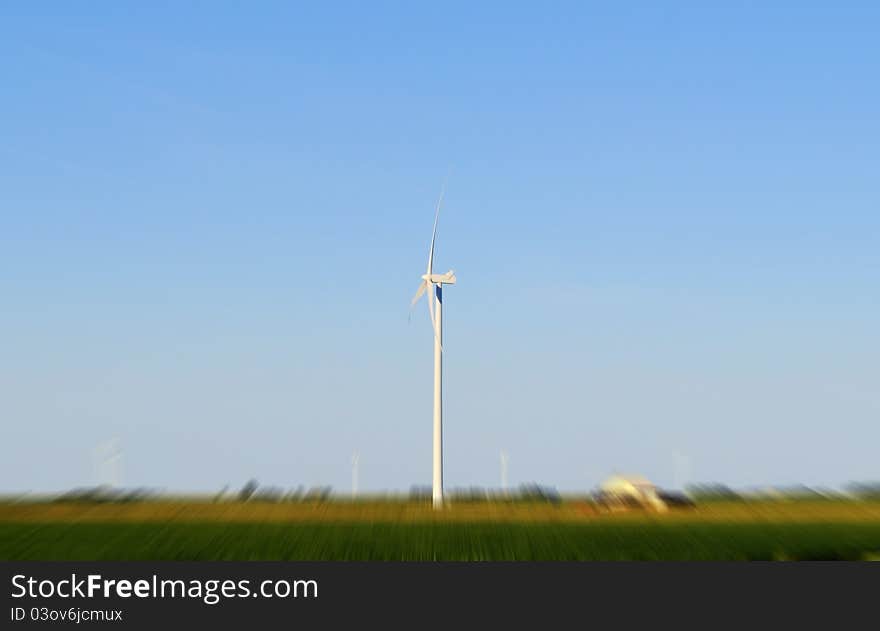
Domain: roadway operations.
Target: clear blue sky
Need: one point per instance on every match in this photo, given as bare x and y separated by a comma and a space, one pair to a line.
665, 223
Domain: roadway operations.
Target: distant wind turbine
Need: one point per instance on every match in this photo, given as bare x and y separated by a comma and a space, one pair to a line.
432, 285
107, 462
504, 471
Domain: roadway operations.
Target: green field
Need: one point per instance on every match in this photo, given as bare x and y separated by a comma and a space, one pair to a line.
446, 541
242, 532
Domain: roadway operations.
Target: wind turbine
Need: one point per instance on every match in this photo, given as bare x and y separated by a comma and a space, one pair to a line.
504, 471
107, 461
432, 285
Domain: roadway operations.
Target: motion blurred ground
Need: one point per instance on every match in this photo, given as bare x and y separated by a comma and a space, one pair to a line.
402, 530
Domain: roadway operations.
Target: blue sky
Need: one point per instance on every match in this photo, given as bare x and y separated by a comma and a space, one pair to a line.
664, 221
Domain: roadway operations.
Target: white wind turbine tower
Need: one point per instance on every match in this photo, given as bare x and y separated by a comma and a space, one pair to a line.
432, 284
504, 471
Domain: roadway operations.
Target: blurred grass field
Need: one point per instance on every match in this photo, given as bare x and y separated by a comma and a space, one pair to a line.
388, 530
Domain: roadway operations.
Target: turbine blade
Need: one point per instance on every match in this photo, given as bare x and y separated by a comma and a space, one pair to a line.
434, 232
412, 304
430, 288
431, 299
419, 292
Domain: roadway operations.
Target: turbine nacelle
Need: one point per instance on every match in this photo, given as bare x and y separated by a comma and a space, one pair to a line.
440, 279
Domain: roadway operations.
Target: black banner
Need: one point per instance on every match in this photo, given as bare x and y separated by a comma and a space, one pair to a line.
236, 594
